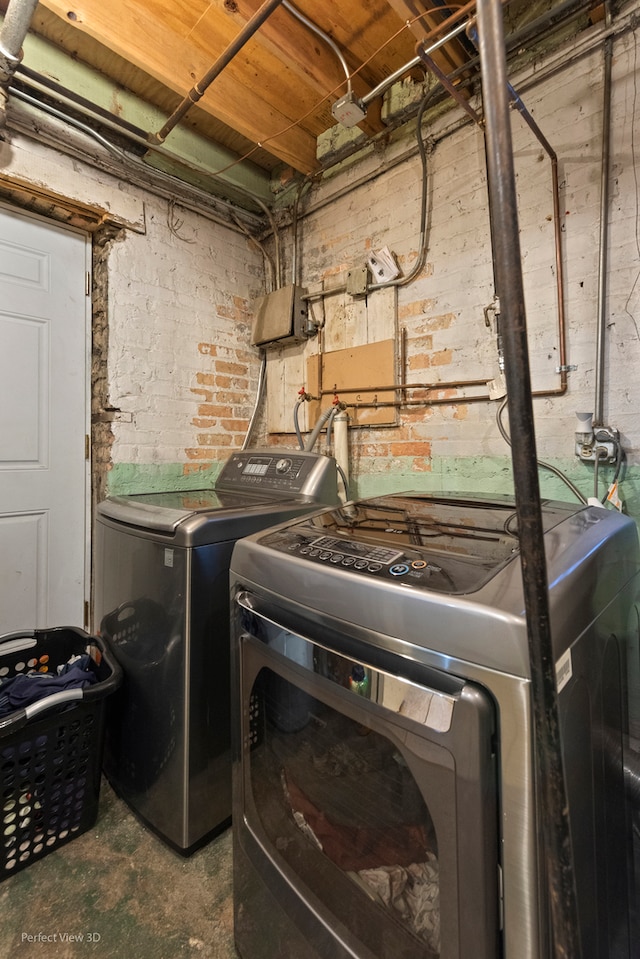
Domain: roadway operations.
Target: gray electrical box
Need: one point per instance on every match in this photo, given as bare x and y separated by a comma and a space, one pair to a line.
280, 317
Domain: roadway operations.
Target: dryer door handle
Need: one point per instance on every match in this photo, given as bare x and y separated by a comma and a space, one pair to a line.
426, 706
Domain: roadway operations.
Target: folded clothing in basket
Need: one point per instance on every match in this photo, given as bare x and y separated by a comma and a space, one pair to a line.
26, 688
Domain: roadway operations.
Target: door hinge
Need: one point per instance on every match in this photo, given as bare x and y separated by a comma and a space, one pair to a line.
87, 446
86, 615
87, 284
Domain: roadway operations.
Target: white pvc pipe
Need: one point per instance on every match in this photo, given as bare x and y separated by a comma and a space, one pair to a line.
341, 445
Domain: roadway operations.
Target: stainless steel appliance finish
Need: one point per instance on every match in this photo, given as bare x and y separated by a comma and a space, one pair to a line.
379, 650
162, 598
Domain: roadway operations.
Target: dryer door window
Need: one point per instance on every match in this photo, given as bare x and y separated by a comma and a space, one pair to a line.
374, 795
338, 801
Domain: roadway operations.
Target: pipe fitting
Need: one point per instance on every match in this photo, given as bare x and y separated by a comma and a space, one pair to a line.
8, 64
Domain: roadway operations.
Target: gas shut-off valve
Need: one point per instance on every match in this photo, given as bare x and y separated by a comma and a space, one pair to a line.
593, 443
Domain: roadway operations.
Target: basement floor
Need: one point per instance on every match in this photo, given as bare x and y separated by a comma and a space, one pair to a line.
124, 892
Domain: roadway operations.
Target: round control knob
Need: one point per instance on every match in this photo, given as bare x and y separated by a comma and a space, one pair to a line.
283, 465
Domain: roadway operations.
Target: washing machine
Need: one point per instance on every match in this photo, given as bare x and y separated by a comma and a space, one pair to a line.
385, 783
162, 599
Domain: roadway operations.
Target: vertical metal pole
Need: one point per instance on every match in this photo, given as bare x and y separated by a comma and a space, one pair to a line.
598, 414
554, 821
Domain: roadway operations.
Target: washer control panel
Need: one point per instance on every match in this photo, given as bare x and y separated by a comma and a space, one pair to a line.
295, 472
358, 557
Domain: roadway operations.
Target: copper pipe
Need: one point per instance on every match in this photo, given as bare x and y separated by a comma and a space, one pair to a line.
456, 384
441, 400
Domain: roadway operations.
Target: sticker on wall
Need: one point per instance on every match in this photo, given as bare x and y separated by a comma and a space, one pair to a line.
564, 670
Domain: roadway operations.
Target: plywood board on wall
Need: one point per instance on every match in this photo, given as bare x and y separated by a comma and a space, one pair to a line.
355, 375
346, 324
286, 376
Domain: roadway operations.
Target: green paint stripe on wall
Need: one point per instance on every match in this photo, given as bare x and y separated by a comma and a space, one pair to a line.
126, 478
473, 474
489, 475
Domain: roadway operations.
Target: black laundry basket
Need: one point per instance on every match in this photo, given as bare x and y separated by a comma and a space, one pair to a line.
51, 750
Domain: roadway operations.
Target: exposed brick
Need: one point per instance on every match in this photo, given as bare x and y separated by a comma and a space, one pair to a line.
223, 367
411, 449
234, 426
419, 361
209, 410
442, 358
207, 395
414, 309
213, 439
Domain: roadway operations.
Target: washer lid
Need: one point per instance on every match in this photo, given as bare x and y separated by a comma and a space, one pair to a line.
165, 512
449, 544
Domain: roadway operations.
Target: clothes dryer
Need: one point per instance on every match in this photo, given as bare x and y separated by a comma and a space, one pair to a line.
386, 786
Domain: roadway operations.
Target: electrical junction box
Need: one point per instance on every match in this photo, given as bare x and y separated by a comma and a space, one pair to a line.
280, 317
348, 111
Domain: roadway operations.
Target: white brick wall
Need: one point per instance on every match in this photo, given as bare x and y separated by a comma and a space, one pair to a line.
179, 360
180, 366
442, 310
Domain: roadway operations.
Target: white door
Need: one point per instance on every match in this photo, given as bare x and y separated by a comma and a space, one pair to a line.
44, 323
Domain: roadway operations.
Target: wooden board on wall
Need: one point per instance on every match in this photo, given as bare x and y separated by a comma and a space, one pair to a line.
362, 368
348, 326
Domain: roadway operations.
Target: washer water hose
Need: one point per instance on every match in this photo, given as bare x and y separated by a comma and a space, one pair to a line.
541, 463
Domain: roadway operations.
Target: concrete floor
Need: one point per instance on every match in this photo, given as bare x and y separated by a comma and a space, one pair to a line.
124, 892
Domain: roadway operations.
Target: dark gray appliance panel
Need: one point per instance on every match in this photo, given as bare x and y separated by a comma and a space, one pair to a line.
378, 773
167, 734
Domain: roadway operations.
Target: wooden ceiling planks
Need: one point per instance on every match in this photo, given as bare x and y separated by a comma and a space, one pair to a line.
274, 98
140, 33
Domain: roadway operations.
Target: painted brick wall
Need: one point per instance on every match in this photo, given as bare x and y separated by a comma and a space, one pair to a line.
181, 376
458, 445
181, 373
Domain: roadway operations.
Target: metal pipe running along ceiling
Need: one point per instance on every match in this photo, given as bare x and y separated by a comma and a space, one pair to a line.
197, 92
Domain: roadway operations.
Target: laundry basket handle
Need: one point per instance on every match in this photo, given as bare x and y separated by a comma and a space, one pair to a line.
28, 635
22, 716
27, 639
